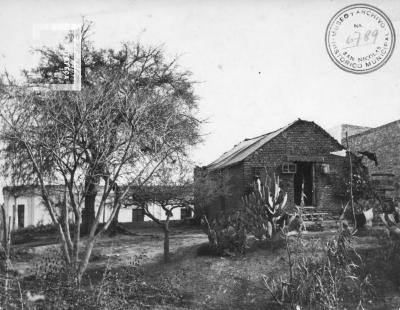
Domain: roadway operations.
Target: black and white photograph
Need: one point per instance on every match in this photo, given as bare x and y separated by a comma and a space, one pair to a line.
199, 154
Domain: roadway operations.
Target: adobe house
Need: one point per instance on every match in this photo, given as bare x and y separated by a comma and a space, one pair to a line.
297, 153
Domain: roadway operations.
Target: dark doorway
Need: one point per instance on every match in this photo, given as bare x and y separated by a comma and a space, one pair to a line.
186, 213
137, 215
21, 216
303, 177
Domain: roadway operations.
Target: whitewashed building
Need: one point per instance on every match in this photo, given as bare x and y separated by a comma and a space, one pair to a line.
25, 206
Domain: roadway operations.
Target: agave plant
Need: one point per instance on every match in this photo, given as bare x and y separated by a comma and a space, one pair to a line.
265, 209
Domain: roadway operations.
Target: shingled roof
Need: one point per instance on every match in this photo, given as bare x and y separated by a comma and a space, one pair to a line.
240, 151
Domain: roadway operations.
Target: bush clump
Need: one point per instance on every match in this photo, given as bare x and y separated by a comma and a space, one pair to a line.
112, 288
327, 280
226, 235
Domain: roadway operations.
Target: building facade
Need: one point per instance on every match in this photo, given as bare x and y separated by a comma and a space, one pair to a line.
384, 143
299, 153
25, 206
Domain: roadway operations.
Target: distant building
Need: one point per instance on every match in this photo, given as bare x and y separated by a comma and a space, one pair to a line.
298, 153
25, 206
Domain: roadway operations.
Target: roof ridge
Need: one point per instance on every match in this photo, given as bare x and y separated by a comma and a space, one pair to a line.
268, 133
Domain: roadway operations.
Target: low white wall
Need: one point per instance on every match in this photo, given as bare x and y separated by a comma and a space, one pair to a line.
125, 214
35, 213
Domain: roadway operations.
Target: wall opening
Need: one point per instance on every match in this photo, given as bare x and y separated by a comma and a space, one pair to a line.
137, 215
396, 191
21, 216
303, 181
186, 213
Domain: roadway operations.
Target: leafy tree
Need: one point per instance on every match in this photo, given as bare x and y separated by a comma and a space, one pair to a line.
134, 113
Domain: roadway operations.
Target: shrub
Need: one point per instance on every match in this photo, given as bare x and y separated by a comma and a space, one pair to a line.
119, 288
226, 234
263, 213
325, 281
49, 265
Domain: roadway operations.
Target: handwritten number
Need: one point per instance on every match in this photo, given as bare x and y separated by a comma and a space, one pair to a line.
366, 35
369, 37
375, 35
358, 37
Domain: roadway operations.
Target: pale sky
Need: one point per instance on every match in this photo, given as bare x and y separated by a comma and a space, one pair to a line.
260, 64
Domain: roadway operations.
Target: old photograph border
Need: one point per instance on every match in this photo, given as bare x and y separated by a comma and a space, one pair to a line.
75, 29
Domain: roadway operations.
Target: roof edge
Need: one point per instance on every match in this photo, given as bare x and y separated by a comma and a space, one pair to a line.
372, 129
222, 166
284, 128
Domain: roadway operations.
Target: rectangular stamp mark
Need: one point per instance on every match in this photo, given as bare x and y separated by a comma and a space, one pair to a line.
68, 76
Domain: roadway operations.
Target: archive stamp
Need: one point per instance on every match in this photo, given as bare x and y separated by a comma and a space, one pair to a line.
360, 38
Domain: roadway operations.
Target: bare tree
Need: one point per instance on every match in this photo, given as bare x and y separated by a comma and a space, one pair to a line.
134, 113
171, 189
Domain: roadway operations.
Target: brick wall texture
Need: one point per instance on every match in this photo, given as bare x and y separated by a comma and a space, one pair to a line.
385, 142
302, 141
352, 130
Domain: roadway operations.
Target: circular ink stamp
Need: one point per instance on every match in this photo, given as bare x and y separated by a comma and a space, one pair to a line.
360, 38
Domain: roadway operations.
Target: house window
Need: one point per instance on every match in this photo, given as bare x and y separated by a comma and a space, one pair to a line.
289, 168
186, 213
137, 215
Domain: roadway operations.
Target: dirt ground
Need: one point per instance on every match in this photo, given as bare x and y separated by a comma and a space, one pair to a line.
204, 282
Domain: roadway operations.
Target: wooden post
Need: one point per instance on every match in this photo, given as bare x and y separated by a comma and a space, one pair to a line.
14, 215
351, 179
314, 194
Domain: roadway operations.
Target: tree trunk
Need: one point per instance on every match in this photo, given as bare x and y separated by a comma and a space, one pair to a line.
77, 234
166, 242
3, 227
115, 228
114, 223
88, 213
85, 261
